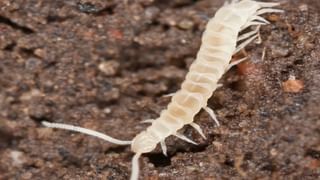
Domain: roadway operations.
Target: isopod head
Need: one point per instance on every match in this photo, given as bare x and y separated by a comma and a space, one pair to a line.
143, 143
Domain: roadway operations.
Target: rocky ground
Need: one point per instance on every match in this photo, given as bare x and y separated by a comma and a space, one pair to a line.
106, 65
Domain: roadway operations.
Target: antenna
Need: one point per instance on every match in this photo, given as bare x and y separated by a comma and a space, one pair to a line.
85, 131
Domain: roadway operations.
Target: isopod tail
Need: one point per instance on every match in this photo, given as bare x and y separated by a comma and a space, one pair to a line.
85, 131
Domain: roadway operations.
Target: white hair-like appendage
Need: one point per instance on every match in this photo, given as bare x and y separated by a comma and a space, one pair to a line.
85, 131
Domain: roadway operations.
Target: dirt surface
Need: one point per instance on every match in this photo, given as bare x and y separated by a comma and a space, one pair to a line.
105, 65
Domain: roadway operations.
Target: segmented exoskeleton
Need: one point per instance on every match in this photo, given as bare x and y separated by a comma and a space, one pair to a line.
219, 43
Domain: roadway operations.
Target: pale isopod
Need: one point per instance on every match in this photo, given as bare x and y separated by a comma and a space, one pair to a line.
220, 41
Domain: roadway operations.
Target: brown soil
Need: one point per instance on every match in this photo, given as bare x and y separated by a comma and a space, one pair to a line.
105, 65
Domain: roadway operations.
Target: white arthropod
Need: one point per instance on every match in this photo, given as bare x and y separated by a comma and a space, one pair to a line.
219, 43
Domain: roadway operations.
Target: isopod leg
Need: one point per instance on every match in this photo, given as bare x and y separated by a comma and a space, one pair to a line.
245, 43
268, 4
185, 138
248, 34
219, 85
168, 95
163, 147
268, 10
235, 63
258, 19
198, 129
252, 23
147, 121
212, 115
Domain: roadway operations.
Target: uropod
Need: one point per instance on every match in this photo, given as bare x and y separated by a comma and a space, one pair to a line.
221, 39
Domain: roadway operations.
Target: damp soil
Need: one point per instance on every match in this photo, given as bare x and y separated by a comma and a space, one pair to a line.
106, 65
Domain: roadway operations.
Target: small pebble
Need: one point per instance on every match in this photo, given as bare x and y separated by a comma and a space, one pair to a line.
243, 124
152, 12
107, 110
17, 158
273, 152
109, 68
110, 95
314, 164
304, 42
246, 68
292, 85
40, 53
191, 168
280, 52
87, 7
218, 145
273, 17
303, 7
30, 94
185, 24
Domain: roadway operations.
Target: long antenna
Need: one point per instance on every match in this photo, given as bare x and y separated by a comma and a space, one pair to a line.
85, 131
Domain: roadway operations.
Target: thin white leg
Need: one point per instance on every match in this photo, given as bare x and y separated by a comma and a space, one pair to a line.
168, 95
163, 147
234, 63
252, 23
147, 121
268, 10
219, 85
248, 34
198, 129
245, 43
259, 19
212, 114
183, 137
